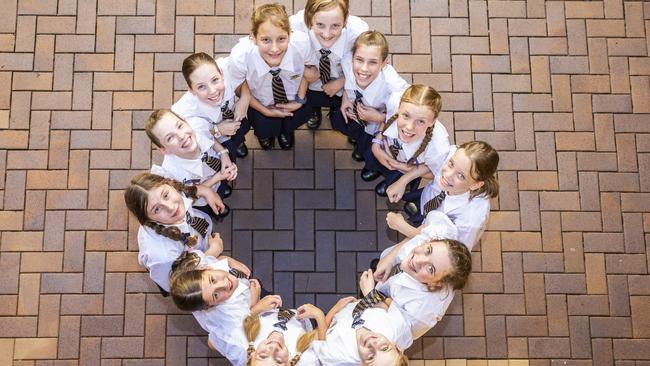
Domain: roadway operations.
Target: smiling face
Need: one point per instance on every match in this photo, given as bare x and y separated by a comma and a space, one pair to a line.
165, 205
367, 64
175, 136
413, 121
375, 349
328, 25
272, 351
272, 42
217, 286
207, 84
428, 263
456, 176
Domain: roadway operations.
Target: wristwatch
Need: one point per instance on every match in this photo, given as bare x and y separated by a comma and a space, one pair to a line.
300, 101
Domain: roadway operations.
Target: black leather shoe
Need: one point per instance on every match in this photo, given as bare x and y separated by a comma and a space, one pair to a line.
411, 209
314, 121
369, 175
357, 157
285, 141
242, 150
373, 264
381, 188
352, 140
226, 191
266, 143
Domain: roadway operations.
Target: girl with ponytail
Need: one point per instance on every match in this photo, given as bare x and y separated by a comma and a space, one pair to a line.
168, 223
412, 142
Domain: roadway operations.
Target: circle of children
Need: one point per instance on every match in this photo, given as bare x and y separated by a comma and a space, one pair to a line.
274, 80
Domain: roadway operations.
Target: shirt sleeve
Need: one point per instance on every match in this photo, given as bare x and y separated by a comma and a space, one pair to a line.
356, 25
439, 226
470, 230
406, 249
238, 61
302, 42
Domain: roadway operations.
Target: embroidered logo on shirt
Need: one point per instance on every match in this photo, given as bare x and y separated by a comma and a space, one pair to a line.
295, 76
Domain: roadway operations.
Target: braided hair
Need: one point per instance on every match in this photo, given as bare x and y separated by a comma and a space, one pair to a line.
185, 282
461, 262
419, 94
136, 197
252, 328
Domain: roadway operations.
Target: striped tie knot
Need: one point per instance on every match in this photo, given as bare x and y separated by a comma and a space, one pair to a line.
197, 223
279, 93
237, 273
225, 112
373, 298
211, 161
358, 99
284, 315
435, 202
394, 148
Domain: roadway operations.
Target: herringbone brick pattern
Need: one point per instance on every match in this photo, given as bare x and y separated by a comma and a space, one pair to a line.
561, 89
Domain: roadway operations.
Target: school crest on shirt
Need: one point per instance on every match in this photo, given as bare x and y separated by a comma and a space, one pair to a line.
294, 76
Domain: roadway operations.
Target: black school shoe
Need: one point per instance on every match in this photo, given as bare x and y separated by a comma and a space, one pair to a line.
285, 141
226, 191
357, 157
242, 150
381, 188
369, 175
266, 143
314, 121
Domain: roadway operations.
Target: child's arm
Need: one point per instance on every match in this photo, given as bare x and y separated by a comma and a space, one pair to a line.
396, 190
309, 311
370, 114
268, 112
397, 222
333, 86
311, 74
213, 199
337, 307
241, 107
387, 263
269, 302
293, 106
215, 245
256, 290
346, 105
380, 153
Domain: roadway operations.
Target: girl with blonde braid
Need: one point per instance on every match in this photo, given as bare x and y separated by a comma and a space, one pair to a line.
412, 142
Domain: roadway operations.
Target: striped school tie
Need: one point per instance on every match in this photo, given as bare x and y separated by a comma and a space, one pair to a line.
397, 269
394, 148
373, 298
355, 107
284, 315
434, 203
237, 273
325, 66
197, 223
211, 161
279, 94
227, 113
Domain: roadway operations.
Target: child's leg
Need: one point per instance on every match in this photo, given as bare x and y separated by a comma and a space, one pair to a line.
372, 168
290, 124
266, 128
316, 100
237, 140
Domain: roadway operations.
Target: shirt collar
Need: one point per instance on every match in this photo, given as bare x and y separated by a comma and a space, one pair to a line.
338, 48
262, 67
408, 148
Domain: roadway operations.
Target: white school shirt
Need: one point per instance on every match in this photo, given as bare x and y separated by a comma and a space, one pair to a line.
295, 329
378, 93
341, 47
340, 344
422, 308
225, 322
190, 106
469, 216
190, 171
157, 253
435, 153
246, 64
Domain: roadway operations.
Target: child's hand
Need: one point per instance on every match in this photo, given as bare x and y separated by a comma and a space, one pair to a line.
332, 87
228, 168
229, 127
342, 303
370, 114
394, 220
241, 109
215, 245
384, 267
401, 166
395, 191
309, 311
213, 199
276, 113
289, 106
345, 106
267, 303
256, 290
366, 282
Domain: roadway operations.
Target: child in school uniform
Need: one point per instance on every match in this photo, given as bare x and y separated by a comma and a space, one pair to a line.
370, 331
272, 61
212, 96
191, 157
369, 84
332, 32
412, 143
421, 274
169, 225
241, 326
461, 189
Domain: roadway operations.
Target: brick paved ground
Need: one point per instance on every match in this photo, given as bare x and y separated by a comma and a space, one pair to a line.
561, 89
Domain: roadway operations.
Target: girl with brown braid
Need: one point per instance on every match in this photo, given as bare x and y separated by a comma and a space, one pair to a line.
412, 143
168, 223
